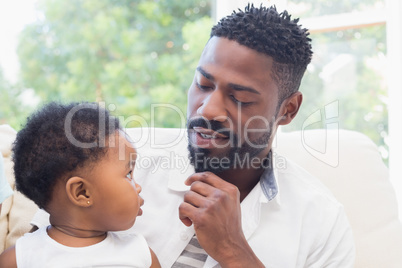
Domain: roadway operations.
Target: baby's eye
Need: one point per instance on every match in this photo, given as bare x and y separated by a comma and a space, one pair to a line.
130, 175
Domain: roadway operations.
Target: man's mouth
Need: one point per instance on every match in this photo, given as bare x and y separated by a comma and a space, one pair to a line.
208, 138
209, 134
205, 136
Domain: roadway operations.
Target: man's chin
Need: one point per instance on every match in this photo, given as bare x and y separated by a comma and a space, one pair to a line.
208, 160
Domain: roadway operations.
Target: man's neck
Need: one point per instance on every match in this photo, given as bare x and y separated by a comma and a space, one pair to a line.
247, 176
244, 179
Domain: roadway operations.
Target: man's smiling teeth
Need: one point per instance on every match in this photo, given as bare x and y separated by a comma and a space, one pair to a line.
205, 136
208, 134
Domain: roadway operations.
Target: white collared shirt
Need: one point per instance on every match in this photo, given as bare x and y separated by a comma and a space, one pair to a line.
300, 225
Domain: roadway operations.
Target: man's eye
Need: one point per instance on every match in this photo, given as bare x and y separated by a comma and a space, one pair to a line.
239, 102
202, 87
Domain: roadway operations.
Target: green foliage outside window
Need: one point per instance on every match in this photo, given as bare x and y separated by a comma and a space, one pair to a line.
349, 68
128, 53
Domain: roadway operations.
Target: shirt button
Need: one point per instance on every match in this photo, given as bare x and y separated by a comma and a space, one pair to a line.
183, 236
270, 192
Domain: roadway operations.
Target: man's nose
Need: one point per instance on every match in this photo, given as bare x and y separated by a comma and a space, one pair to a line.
213, 107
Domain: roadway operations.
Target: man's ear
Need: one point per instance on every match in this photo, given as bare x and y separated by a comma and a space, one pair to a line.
289, 108
78, 191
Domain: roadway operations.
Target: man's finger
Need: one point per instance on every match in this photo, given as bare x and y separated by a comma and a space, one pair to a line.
193, 198
208, 178
185, 212
202, 188
186, 221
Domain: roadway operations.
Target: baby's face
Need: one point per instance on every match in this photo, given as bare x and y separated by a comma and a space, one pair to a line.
117, 202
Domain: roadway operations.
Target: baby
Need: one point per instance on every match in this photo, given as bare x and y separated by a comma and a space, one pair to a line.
76, 162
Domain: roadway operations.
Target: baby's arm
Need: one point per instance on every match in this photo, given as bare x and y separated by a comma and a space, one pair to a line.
155, 261
8, 259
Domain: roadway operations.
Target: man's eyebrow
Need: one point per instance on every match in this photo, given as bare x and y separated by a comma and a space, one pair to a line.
243, 88
205, 73
231, 85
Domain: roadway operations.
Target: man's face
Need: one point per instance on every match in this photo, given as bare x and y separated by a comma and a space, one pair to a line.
232, 106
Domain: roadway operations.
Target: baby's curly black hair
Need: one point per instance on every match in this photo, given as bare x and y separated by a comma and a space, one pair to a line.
56, 141
274, 34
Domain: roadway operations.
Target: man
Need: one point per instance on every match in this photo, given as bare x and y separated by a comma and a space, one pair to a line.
245, 86
239, 209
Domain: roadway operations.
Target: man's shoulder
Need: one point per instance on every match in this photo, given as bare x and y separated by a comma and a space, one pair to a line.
294, 181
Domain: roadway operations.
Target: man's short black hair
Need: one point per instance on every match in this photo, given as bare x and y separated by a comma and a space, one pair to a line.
56, 141
274, 34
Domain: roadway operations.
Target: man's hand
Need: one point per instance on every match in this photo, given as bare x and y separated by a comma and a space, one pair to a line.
213, 206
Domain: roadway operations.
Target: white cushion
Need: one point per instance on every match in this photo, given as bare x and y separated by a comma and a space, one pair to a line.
349, 164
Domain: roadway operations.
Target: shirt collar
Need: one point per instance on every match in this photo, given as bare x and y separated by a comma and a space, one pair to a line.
268, 182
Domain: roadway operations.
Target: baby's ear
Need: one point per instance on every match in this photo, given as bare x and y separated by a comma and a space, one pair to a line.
78, 191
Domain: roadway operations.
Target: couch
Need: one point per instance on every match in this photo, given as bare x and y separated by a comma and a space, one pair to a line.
347, 162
